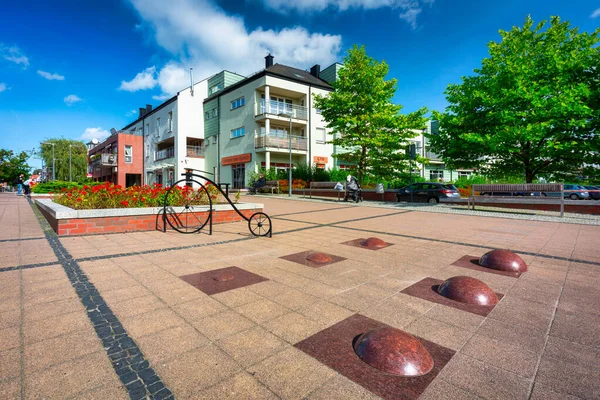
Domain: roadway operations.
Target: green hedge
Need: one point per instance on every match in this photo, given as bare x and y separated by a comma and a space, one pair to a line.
56, 186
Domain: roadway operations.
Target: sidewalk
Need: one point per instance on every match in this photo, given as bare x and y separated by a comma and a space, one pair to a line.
109, 317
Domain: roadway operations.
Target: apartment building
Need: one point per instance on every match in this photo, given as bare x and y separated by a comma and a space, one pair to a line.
436, 170
118, 159
265, 119
173, 135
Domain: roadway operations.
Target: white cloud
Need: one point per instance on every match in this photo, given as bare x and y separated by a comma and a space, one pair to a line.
51, 77
95, 133
3, 87
408, 9
72, 99
221, 41
131, 113
142, 81
596, 13
14, 54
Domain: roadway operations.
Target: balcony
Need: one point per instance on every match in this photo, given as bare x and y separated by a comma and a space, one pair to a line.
194, 151
432, 156
165, 153
299, 143
278, 107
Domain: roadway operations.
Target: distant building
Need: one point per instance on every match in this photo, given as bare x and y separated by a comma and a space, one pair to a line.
118, 159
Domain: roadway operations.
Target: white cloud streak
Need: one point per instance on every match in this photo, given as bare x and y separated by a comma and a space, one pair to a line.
220, 41
131, 113
95, 133
51, 77
14, 55
142, 81
72, 99
596, 13
408, 9
3, 87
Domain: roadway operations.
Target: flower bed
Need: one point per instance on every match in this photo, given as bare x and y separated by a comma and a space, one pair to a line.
108, 195
66, 221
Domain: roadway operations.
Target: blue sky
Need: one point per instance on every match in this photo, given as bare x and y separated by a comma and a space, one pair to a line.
75, 69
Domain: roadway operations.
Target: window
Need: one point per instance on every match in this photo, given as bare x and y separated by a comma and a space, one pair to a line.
239, 132
170, 122
206, 115
237, 103
147, 151
317, 111
321, 135
214, 139
214, 112
147, 129
464, 174
158, 127
215, 88
436, 174
239, 176
128, 154
141, 131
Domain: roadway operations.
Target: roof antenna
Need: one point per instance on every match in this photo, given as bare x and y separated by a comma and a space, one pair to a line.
192, 81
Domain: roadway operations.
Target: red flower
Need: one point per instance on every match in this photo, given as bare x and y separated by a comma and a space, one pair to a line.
125, 203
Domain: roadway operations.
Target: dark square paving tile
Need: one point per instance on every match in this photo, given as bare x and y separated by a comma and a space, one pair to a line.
300, 258
222, 280
472, 262
357, 242
333, 347
427, 289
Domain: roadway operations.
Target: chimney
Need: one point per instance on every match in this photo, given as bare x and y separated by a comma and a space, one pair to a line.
315, 70
148, 108
269, 61
142, 112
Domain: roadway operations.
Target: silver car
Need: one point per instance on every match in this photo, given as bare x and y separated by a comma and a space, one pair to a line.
573, 192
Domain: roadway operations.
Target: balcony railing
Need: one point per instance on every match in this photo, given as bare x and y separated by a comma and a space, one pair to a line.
194, 151
432, 156
109, 159
281, 142
278, 107
165, 153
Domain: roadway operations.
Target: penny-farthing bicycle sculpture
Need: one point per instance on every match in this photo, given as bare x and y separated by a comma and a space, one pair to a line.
192, 216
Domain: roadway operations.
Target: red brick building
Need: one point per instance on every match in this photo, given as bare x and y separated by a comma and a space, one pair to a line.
119, 160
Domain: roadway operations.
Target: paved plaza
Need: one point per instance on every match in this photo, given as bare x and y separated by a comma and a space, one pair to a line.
109, 317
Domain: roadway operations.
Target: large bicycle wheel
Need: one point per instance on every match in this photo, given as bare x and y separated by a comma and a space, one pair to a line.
191, 215
259, 224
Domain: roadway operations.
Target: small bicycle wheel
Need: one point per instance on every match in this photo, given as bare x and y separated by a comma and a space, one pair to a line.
259, 224
188, 217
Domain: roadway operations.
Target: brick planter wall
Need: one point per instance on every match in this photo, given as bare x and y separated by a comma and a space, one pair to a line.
70, 223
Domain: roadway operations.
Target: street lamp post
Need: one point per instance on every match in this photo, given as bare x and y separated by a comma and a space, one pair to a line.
289, 114
53, 161
70, 165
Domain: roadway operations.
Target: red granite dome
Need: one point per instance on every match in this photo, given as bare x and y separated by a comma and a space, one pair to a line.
319, 258
393, 351
223, 277
373, 243
468, 290
503, 260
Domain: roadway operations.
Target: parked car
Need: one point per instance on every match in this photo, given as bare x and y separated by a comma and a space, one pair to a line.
430, 192
573, 192
500, 194
594, 192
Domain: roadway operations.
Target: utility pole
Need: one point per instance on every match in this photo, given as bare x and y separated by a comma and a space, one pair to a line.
70, 164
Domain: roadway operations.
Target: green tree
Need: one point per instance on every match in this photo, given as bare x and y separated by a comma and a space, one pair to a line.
12, 165
531, 109
78, 157
363, 119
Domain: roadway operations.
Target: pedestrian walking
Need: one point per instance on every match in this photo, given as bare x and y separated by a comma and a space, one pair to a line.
19, 182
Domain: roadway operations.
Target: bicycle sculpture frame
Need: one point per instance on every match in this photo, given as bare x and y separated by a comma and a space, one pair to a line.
188, 221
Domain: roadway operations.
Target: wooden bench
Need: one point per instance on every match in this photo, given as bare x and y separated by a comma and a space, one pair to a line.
323, 187
271, 185
516, 194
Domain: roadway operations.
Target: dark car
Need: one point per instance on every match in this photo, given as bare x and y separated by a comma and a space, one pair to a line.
573, 192
503, 194
430, 192
594, 192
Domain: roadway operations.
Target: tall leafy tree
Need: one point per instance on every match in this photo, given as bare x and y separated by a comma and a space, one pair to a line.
531, 109
365, 122
12, 165
73, 158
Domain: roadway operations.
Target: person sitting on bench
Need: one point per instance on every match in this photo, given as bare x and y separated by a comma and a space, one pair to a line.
262, 181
